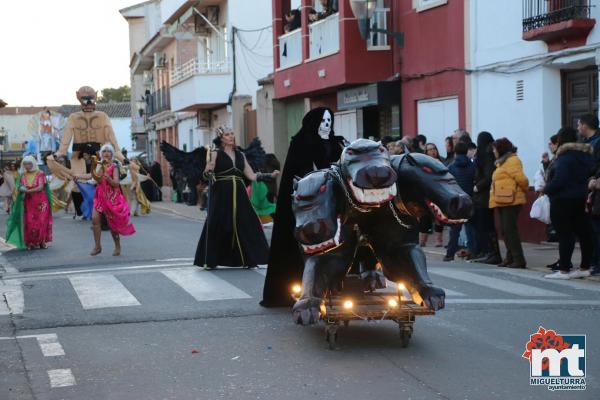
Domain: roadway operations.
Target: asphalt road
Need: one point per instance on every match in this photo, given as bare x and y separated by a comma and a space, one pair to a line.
148, 325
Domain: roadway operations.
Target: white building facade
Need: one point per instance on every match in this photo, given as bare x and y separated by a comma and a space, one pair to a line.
532, 68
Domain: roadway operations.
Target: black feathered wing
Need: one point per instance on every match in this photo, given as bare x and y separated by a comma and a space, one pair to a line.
190, 164
255, 154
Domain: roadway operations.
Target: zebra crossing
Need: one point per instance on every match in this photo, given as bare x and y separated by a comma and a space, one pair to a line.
132, 287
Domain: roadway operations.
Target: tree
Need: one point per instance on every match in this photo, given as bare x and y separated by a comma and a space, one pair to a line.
112, 95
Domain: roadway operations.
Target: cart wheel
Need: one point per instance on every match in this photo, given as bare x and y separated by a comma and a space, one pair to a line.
332, 339
405, 333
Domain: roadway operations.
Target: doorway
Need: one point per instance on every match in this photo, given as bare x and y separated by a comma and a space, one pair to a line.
579, 94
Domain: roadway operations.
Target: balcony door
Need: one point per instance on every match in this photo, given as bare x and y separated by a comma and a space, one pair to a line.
579, 94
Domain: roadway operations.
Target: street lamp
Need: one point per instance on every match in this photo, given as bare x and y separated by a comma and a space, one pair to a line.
363, 11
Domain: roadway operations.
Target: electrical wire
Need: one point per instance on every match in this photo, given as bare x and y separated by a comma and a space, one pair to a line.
254, 30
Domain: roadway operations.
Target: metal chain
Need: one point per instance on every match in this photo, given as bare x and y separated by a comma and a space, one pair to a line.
336, 175
397, 217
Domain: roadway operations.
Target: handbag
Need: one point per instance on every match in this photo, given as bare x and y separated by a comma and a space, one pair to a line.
540, 209
504, 195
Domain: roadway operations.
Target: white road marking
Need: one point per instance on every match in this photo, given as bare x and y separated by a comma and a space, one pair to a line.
449, 292
36, 276
102, 291
502, 285
11, 298
48, 342
174, 259
572, 283
261, 271
525, 302
50, 345
204, 285
61, 378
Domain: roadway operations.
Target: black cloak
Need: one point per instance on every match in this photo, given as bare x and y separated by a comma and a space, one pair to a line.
307, 151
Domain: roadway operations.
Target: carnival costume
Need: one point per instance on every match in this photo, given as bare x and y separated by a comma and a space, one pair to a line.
30, 221
314, 147
232, 234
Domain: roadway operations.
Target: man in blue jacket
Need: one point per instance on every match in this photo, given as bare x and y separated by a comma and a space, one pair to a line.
463, 170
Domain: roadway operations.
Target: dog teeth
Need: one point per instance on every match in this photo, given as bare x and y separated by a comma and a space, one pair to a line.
441, 216
315, 248
373, 196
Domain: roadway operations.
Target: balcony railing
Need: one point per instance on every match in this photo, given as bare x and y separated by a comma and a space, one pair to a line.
540, 13
197, 67
379, 21
158, 101
324, 36
290, 49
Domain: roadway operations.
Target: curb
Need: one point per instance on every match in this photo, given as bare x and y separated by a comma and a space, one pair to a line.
538, 269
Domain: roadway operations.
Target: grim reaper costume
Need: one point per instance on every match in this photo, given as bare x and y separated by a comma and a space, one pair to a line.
314, 147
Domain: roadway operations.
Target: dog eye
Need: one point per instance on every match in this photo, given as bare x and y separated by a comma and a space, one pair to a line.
427, 170
322, 189
349, 152
381, 149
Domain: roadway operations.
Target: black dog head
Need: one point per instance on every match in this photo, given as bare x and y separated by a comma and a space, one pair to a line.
426, 181
317, 226
366, 169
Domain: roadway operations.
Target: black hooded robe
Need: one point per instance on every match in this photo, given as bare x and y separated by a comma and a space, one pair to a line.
306, 153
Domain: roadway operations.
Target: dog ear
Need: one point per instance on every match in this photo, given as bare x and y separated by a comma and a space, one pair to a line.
295, 183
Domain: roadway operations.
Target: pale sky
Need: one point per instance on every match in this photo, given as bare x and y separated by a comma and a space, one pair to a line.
48, 49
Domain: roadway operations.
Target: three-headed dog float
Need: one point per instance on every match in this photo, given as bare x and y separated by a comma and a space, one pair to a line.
357, 226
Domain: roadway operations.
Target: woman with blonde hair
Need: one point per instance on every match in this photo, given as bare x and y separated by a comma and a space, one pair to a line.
109, 201
232, 234
30, 222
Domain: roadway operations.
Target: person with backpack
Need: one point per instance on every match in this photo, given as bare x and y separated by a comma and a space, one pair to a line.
508, 194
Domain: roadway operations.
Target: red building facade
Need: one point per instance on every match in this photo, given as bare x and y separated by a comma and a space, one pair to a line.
374, 87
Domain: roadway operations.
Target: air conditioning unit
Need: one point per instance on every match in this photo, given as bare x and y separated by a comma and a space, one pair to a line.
201, 27
159, 60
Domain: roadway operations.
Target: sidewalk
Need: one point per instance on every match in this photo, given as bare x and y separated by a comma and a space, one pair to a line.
537, 255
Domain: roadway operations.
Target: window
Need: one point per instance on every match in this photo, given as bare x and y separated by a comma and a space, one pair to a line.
377, 40
422, 5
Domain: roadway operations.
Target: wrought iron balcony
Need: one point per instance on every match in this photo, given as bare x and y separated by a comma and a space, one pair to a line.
541, 13
560, 23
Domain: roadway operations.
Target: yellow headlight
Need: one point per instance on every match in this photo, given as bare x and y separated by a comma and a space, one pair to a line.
401, 286
296, 289
348, 304
392, 303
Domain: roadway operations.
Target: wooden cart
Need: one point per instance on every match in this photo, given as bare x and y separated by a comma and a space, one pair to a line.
353, 303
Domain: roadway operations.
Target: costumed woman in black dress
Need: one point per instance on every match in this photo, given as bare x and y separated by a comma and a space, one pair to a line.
314, 147
232, 235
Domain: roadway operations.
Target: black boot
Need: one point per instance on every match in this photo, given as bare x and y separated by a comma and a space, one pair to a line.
493, 257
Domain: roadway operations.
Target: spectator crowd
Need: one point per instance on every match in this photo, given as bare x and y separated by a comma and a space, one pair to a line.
490, 171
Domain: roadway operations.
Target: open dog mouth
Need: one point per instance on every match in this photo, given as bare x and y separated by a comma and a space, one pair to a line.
440, 216
373, 197
326, 245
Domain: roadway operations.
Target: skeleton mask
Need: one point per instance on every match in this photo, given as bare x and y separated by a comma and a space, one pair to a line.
325, 127
87, 98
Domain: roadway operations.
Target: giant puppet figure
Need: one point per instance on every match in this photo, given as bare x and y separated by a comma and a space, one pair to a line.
365, 209
89, 130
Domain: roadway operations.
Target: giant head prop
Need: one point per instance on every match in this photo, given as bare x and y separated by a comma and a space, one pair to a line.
426, 183
366, 170
87, 98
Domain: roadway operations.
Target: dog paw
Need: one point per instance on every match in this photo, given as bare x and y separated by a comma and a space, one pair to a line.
307, 311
